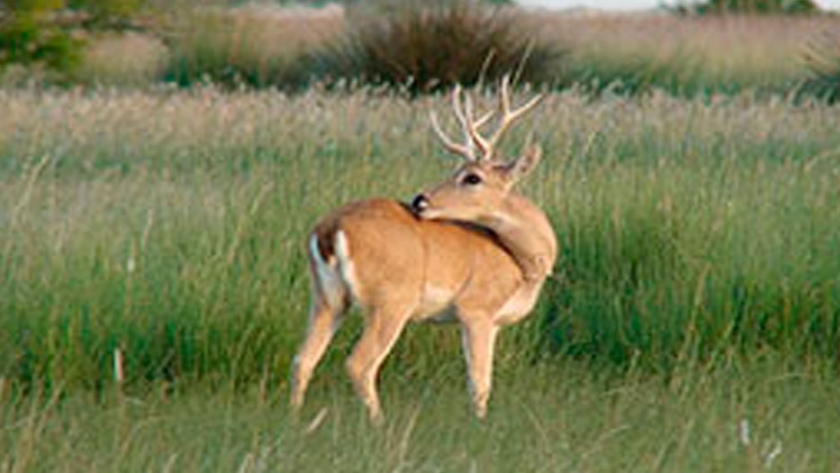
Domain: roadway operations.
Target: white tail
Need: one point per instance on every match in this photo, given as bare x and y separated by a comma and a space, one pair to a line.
471, 250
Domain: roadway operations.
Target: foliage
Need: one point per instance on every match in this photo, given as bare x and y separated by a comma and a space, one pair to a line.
424, 48
754, 6
27, 39
50, 33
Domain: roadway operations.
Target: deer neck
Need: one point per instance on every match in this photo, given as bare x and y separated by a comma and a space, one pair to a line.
524, 230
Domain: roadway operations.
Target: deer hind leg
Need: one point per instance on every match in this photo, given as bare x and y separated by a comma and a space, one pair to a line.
323, 322
382, 329
329, 302
478, 337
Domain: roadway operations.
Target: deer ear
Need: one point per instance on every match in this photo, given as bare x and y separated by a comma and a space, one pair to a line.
524, 164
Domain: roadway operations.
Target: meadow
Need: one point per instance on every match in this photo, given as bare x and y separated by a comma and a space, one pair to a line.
693, 322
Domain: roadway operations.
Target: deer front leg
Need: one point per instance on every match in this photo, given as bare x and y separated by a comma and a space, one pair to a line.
478, 337
382, 329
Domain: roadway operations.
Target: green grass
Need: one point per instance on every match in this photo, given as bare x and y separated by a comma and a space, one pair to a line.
565, 417
697, 287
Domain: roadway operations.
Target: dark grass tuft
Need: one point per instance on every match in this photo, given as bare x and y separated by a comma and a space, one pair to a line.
428, 48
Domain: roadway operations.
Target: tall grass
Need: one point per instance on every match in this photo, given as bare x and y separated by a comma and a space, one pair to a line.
823, 61
170, 226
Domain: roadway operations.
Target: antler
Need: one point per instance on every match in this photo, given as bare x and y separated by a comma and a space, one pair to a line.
471, 126
468, 124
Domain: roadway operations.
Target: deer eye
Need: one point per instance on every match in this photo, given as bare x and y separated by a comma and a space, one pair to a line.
472, 179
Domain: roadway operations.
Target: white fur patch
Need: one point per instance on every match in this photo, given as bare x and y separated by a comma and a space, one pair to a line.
519, 305
345, 262
328, 278
437, 296
435, 305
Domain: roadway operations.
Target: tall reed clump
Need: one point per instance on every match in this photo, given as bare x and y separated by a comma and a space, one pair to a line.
425, 48
822, 59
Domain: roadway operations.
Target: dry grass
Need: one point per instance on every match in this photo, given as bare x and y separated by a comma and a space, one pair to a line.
258, 46
122, 60
737, 52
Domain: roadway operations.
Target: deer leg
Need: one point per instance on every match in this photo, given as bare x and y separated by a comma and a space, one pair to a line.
323, 322
478, 337
382, 329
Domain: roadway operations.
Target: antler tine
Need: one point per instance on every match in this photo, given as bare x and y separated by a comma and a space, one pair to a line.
462, 106
454, 148
464, 118
508, 117
472, 130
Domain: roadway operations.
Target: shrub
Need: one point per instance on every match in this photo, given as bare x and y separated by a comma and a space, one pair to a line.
756, 6
49, 33
27, 39
427, 48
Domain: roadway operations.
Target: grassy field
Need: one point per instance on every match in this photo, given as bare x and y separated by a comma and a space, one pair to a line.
693, 323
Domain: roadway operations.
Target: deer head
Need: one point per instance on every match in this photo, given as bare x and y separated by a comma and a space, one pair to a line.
481, 188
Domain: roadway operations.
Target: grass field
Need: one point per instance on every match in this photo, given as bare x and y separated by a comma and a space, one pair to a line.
693, 323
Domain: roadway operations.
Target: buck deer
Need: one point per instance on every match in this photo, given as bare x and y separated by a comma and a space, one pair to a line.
471, 250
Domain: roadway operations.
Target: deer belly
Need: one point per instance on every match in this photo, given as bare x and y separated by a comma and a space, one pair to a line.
435, 305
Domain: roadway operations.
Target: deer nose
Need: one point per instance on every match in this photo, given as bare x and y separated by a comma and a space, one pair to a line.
420, 203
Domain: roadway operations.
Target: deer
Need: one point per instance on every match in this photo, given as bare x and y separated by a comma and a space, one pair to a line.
471, 250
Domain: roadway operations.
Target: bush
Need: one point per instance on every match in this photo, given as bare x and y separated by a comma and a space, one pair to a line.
49, 34
756, 6
27, 39
428, 48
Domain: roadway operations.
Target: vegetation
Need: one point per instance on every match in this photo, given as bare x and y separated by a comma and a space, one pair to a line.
263, 46
756, 6
50, 36
153, 286
692, 323
256, 48
426, 48
823, 61
685, 56
26, 39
